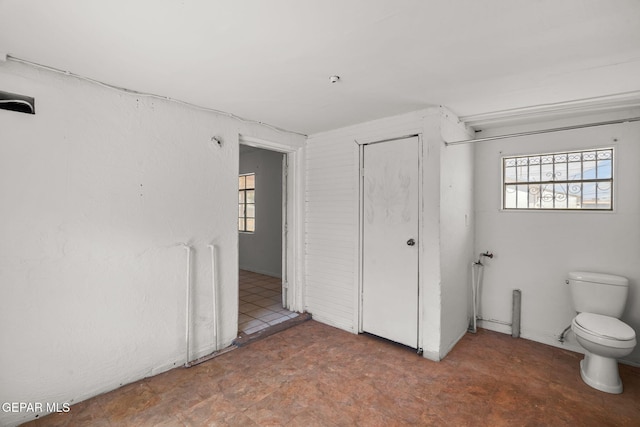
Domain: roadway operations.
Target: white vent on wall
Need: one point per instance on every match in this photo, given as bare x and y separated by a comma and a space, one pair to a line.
19, 103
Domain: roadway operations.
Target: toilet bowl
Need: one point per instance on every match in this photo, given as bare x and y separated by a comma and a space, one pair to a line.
599, 299
604, 339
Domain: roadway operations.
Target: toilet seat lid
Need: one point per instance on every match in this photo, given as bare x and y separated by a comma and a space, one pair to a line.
605, 326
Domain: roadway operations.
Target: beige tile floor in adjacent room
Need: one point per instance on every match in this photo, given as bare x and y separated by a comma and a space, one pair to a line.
316, 375
260, 302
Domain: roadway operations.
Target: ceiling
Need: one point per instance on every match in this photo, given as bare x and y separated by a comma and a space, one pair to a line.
270, 60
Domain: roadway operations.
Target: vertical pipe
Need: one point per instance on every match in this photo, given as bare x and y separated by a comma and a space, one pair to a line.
515, 313
473, 326
188, 304
214, 296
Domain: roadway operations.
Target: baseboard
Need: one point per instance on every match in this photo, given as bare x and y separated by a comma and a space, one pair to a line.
331, 322
493, 326
453, 343
166, 367
434, 356
105, 387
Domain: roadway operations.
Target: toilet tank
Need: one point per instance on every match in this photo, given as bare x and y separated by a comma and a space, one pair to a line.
598, 293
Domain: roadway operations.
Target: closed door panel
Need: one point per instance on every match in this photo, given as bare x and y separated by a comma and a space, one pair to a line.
390, 240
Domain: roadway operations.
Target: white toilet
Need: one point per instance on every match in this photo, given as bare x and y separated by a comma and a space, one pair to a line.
599, 300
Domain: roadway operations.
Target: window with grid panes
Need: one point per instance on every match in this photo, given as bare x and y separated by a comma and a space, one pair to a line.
573, 180
247, 203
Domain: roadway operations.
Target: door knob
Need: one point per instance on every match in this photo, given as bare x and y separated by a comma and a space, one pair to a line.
411, 242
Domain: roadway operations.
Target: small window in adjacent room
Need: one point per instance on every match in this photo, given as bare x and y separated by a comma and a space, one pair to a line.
574, 180
247, 203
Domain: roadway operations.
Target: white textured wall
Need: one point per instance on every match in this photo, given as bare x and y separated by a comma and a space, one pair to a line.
332, 226
457, 232
332, 215
97, 190
261, 251
331, 232
534, 251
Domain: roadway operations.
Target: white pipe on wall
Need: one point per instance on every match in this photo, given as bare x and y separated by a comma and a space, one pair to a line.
474, 298
216, 351
214, 312
188, 303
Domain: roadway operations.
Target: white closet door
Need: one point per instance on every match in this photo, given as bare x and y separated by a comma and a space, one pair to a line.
390, 240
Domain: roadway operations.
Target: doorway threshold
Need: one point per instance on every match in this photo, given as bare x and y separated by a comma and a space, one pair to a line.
244, 338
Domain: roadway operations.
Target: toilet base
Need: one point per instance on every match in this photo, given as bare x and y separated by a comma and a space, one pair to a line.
601, 373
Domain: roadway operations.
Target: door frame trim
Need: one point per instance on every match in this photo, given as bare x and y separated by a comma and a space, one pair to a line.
359, 297
293, 218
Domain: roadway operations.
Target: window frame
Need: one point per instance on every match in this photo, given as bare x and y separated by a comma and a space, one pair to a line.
566, 181
243, 204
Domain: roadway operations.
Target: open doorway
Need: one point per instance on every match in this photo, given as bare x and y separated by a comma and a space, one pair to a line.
261, 242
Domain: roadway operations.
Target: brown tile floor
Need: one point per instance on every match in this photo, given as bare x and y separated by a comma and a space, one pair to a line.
316, 375
260, 302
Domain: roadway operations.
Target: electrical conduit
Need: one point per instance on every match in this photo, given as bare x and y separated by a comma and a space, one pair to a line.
475, 278
214, 290
188, 303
